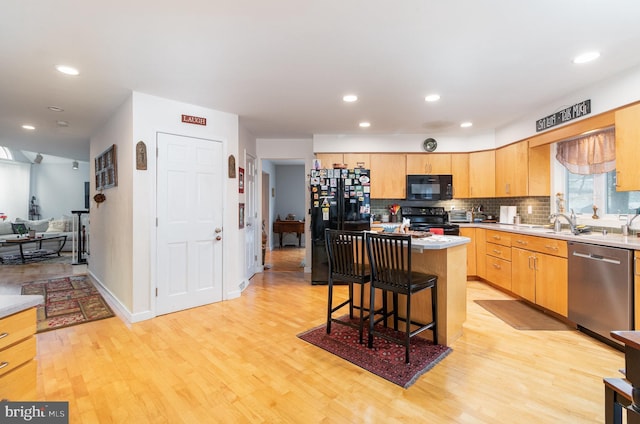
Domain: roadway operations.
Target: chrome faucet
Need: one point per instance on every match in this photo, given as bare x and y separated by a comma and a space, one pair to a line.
571, 220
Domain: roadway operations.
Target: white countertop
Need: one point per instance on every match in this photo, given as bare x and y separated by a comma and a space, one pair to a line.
595, 237
437, 242
11, 304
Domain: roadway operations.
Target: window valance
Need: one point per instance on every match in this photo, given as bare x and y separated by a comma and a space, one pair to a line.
593, 153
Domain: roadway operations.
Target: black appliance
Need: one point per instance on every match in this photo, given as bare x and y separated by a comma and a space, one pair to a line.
429, 187
340, 200
425, 218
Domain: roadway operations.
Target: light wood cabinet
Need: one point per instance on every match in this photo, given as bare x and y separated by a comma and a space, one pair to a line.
498, 258
388, 176
627, 148
357, 160
17, 353
482, 174
540, 171
460, 173
481, 253
512, 166
429, 163
539, 271
471, 249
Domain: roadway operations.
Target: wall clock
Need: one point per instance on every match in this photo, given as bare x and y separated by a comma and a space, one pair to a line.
429, 145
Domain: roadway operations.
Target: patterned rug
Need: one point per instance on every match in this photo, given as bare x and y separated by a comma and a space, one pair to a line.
68, 301
385, 360
15, 259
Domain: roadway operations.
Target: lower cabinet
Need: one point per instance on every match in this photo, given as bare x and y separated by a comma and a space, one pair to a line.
471, 250
552, 284
17, 353
523, 273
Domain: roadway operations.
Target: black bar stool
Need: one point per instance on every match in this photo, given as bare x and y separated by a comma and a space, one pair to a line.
345, 250
390, 259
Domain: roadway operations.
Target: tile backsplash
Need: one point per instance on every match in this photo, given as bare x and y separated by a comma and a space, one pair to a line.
540, 206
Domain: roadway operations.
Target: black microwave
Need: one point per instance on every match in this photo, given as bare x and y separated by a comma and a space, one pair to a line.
429, 187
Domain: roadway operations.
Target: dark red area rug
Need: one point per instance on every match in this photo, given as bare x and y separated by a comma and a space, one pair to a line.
385, 359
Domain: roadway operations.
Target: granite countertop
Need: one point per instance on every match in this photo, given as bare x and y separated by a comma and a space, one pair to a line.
595, 237
11, 304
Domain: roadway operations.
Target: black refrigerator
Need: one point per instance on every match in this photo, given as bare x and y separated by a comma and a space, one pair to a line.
341, 200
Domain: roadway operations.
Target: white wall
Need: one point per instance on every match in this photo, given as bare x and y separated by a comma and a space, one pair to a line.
14, 194
123, 227
58, 187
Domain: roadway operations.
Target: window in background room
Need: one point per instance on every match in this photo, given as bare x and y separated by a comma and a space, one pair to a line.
5, 153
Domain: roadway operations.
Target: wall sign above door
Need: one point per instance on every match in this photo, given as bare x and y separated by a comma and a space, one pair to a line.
565, 115
188, 119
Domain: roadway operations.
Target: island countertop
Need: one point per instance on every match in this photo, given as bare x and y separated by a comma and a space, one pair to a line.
437, 242
11, 304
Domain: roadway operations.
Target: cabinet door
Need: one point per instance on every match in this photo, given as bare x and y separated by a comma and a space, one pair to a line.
471, 249
388, 176
429, 163
540, 171
627, 148
552, 286
499, 272
482, 174
481, 252
357, 160
523, 276
512, 174
328, 159
460, 172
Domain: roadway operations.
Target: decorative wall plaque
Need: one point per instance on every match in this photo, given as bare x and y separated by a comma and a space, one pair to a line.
232, 166
141, 155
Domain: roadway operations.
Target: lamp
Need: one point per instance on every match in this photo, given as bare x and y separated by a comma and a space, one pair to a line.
38, 158
74, 165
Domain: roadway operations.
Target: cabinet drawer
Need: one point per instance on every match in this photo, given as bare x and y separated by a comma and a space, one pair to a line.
499, 237
16, 355
20, 384
499, 251
549, 246
499, 272
17, 327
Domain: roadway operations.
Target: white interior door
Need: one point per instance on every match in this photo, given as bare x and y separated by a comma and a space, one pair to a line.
189, 228
252, 229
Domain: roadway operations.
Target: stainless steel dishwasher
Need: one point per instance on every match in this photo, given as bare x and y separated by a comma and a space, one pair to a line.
600, 289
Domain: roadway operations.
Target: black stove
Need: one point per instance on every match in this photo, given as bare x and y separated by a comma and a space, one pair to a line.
425, 218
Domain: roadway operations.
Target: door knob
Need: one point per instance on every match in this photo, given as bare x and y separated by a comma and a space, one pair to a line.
219, 238
218, 230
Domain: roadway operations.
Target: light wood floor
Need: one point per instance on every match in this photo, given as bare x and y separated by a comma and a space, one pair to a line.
240, 361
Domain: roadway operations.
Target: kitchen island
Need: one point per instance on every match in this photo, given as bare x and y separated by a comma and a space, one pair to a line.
445, 257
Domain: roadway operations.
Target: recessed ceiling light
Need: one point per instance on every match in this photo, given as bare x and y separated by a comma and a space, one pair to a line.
432, 98
28, 127
62, 123
586, 57
55, 109
350, 98
365, 124
68, 70
466, 124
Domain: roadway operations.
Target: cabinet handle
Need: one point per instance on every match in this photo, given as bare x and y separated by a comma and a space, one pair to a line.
535, 263
616, 183
3, 364
497, 252
551, 247
496, 237
3, 335
496, 266
521, 242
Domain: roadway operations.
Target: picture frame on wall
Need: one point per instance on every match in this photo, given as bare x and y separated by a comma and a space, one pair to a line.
240, 180
241, 215
106, 169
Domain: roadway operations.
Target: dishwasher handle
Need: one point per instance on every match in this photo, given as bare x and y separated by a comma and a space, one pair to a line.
596, 258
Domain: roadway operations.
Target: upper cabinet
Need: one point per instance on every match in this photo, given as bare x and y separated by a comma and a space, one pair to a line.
357, 160
428, 163
328, 159
460, 172
512, 173
540, 170
627, 148
388, 176
482, 174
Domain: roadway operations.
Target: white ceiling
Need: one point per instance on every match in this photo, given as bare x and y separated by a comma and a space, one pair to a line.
284, 65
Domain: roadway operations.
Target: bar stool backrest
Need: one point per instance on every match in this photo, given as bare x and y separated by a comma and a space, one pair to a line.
390, 259
346, 253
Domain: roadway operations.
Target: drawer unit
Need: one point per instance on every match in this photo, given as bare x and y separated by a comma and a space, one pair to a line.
499, 272
540, 244
499, 237
17, 353
499, 251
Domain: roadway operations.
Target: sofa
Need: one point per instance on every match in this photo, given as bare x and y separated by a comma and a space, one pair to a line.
43, 227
